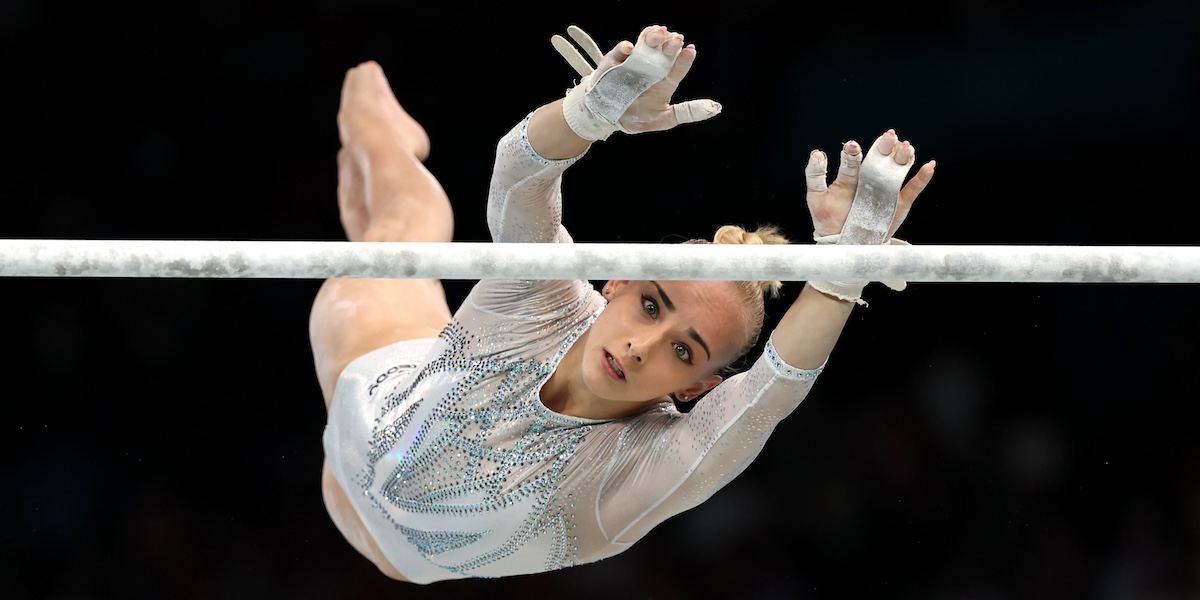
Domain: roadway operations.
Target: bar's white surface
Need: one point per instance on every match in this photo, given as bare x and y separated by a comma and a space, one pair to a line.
797, 262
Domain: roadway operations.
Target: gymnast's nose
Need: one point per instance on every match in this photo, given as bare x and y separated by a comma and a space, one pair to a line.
638, 347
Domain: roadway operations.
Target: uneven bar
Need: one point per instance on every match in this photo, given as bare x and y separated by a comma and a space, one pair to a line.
469, 260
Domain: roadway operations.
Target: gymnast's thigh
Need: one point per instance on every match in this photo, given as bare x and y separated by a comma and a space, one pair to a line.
351, 317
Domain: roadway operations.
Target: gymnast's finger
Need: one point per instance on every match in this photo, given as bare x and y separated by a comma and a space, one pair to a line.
917, 184
616, 56
815, 172
683, 64
905, 153
695, 110
848, 164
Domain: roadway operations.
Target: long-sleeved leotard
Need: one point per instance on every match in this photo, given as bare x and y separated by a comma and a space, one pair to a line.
458, 469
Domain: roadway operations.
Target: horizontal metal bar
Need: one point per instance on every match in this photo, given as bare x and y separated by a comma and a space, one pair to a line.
469, 260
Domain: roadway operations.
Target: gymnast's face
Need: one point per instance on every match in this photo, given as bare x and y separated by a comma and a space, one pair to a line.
662, 337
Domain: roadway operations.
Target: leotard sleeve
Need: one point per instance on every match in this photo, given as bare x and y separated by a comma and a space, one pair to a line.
664, 462
525, 199
525, 205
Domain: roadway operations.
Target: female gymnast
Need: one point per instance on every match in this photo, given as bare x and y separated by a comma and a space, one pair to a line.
545, 424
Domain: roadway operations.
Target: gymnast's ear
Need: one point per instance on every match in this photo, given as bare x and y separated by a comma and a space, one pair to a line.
612, 286
703, 385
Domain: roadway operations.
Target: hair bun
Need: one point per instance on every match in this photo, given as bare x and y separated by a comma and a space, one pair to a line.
764, 234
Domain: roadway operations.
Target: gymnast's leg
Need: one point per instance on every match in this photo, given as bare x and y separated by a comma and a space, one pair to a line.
385, 194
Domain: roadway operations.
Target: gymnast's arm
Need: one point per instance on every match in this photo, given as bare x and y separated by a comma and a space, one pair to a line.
551, 137
525, 200
683, 459
808, 331
524, 203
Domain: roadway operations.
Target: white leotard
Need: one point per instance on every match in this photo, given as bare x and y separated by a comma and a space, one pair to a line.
457, 468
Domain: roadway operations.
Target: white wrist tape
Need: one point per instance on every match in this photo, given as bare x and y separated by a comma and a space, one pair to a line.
851, 291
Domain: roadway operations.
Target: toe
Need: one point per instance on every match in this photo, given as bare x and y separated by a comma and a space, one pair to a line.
364, 72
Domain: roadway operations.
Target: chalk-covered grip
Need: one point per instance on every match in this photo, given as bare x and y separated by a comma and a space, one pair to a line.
871, 213
594, 108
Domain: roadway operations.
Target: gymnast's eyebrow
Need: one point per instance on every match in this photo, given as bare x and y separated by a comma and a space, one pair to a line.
690, 331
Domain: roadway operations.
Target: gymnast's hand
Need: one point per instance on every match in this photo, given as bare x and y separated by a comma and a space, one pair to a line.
630, 88
830, 204
653, 111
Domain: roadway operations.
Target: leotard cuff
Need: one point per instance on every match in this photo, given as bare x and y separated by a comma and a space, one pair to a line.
788, 371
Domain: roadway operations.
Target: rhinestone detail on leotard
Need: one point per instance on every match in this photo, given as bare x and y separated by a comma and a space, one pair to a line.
451, 463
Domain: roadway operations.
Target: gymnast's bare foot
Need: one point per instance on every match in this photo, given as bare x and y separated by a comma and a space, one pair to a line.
385, 193
369, 110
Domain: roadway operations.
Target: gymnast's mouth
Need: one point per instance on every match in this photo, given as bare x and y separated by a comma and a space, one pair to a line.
613, 367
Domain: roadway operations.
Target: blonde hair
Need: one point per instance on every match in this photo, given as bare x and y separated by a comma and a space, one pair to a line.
753, 294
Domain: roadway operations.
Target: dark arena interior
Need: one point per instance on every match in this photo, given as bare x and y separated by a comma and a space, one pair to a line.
980, 441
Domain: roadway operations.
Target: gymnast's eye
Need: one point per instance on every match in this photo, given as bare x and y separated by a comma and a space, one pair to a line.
684, 353
650, 305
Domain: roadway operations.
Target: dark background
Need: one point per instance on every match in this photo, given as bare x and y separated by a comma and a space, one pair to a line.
161, 438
